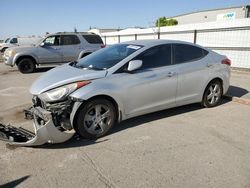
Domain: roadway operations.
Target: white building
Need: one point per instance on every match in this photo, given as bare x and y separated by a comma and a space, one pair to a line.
229, 13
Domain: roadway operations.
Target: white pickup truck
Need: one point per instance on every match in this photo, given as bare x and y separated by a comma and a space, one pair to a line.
18, 41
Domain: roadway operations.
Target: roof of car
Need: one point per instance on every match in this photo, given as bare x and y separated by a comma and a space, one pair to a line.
68, 33
153, 42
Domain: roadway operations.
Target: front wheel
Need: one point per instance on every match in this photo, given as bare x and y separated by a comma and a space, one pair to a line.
95, 118
212, 95
26, 65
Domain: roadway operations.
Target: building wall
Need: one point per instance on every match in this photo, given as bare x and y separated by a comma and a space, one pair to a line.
211, 15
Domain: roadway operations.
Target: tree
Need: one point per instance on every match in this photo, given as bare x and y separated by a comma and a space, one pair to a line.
163, 21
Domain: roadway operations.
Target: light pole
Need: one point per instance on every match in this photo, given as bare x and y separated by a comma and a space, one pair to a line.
159, 31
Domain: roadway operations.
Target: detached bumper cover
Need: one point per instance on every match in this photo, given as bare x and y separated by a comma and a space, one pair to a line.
44, 131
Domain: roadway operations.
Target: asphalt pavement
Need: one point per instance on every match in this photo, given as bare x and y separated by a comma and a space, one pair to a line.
187, 146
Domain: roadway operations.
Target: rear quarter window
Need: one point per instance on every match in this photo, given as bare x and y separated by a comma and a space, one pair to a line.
93, 39
185, 53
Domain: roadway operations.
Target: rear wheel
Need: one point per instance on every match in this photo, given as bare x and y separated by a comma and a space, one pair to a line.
26, 65
212, 95
95, 118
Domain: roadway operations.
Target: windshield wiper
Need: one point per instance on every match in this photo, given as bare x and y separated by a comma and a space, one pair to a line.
95, 68
73, 63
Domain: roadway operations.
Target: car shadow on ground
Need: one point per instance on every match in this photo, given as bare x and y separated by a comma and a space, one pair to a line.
236, 91
76, 141
14, 183
42, 69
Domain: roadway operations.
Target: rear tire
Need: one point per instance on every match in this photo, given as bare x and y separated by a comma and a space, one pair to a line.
26, 65
95, 118
212, 95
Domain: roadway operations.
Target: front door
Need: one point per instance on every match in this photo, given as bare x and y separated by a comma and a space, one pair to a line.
50, 51
153, 86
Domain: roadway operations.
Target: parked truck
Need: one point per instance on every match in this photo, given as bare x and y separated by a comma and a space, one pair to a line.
18, 41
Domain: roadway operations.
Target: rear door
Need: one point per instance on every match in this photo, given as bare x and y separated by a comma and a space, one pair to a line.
191, 63
71, 47
50, 52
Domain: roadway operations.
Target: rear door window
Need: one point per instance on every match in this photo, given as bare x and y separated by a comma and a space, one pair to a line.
93, 39
185, 53
69, 40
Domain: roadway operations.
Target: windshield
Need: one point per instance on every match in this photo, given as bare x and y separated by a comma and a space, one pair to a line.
107, 57
7, 40
39, 41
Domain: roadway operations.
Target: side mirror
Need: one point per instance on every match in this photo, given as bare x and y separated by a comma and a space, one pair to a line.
42, 44
134, 65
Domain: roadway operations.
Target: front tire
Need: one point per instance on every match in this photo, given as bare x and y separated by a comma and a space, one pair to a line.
212, 95
26, 65
95, 118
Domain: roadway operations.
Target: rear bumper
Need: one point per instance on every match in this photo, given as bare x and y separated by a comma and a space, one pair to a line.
44, 129
226, 80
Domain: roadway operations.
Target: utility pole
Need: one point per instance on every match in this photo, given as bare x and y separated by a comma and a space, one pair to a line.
159, 31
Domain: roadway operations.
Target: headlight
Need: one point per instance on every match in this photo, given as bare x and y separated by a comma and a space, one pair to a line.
62, 92
10, 53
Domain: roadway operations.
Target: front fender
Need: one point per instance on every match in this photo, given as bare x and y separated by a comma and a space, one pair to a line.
22, 54
88, 92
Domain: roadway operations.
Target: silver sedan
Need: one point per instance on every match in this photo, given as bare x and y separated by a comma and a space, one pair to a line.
126, 80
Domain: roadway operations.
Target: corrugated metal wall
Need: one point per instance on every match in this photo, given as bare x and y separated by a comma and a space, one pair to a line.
231, 38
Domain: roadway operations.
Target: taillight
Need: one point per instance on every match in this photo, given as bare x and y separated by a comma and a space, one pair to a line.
103, 46
226, 62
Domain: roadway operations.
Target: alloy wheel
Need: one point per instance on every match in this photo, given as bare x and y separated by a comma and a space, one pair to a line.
97, 119
214, 93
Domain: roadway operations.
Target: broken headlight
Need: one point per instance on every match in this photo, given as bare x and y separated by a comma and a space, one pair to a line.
61, 93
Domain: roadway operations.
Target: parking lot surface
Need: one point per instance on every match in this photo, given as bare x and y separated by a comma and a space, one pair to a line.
186, 146
240, 84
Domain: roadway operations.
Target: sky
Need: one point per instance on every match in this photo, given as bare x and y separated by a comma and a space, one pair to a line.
36, 17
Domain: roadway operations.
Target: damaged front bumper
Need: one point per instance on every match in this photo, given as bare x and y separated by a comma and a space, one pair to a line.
45, 130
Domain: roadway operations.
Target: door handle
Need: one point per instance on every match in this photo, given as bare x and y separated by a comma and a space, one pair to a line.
171, 74
209, 65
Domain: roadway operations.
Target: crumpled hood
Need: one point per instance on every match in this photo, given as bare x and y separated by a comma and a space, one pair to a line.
62, 75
